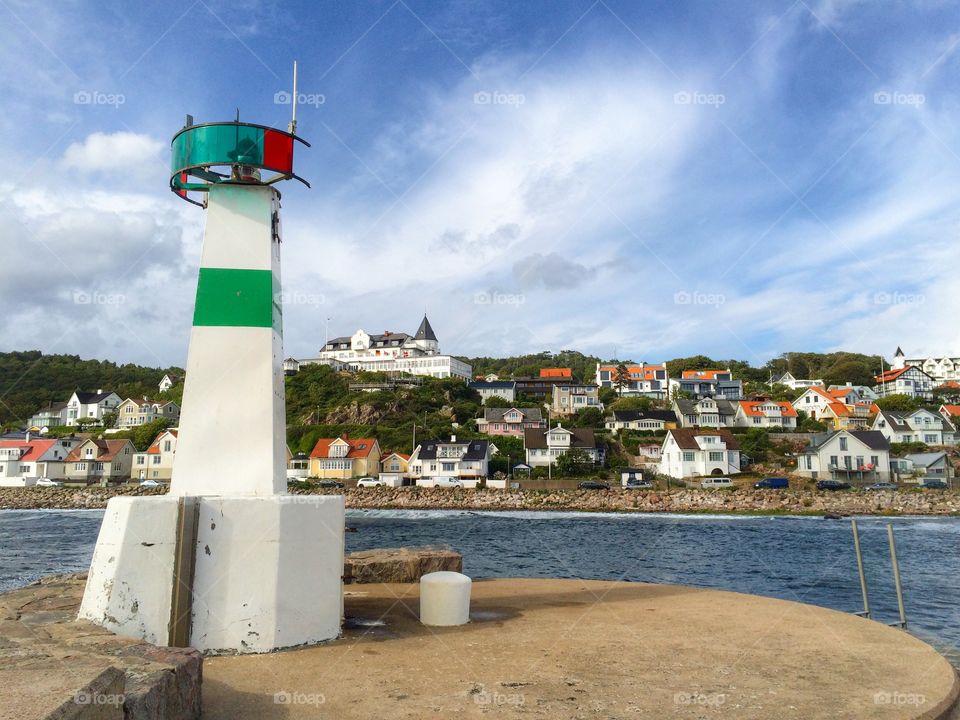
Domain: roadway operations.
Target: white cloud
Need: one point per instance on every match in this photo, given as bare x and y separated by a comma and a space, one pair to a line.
112, 151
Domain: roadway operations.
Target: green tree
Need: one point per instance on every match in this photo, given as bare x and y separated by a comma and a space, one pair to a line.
109, 419
899, 403
633, 403
495, 401
621, 377
86, 422
756, 443
588, 417
573, 462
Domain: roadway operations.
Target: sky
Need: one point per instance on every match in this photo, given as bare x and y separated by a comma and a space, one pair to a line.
641, 180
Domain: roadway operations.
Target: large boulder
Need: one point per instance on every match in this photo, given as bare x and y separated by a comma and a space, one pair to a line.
399, 565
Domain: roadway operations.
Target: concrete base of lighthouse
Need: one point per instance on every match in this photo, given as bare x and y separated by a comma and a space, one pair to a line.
267, 575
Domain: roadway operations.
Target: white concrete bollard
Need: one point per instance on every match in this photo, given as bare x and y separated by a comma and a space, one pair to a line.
445, 598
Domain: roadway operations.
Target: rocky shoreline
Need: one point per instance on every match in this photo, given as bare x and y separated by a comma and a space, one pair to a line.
763, 502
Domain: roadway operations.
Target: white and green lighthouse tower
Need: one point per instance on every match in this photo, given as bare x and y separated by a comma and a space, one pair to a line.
227, 560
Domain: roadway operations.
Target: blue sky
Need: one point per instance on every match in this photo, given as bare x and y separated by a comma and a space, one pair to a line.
645, 179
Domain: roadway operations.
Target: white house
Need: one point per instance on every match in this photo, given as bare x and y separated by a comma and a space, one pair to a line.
544, 446
506, 389
813, 402
133, 412
907, 380
466, 460
706, 412
167, 382
917, 426
509, 421
570, 399
766, 414
642, 380
22, 462
917, 467
53, 415
641, 420
939, 370
796, 383
861, 455
90, 405
157, 462
860, 393
694, 453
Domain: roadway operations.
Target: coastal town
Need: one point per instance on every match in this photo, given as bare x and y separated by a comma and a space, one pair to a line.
619, 424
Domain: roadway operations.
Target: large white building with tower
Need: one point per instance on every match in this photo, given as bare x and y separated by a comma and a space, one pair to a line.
392, 353
941, 370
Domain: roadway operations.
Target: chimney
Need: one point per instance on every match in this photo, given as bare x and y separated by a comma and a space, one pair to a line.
26, 438
453, 438
99, 391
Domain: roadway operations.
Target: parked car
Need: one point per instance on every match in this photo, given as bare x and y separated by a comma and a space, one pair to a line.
149, 483
592, 485
934, 484
371, 482
329, 484
882, 486
638, 484
712, 483
47, 482
773, 483
832, 485
444, 481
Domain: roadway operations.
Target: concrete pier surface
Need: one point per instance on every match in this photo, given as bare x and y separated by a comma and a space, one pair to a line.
591, 649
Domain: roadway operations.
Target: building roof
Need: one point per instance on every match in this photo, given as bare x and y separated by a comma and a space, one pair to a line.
536, 438
496, 414
89, 398
689, 407
32, 450
52, 407
154, 448
634, 415
638, 372
475, 449
752, 408
359, 447
425, 332
403, 456
556, 372
686, 438
891, 375
952, 410
106, 449
702, 374
926, 459
873, 439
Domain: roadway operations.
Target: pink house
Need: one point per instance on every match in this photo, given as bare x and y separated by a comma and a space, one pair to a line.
510, 421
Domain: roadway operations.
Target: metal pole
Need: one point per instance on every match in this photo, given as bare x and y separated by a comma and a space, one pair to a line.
896, 575
863, 577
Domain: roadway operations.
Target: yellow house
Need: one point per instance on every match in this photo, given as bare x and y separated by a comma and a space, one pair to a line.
848, 417
344, 457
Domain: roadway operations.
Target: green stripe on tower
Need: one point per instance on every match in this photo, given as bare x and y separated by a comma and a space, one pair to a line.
228, 297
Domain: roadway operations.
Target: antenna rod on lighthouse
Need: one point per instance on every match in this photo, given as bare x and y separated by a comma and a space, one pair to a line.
293, 101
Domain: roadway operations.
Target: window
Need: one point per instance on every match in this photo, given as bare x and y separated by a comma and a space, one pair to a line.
716, 457
930, 439
874, 460
156, 459
447, 466
834, 460
80, 466
843, 443
140, 460
167, 445
688, 456
98, 467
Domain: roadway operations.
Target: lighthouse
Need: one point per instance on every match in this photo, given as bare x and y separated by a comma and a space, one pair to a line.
227, 561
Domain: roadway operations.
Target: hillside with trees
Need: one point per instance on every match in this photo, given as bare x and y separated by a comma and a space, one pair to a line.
30, 379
